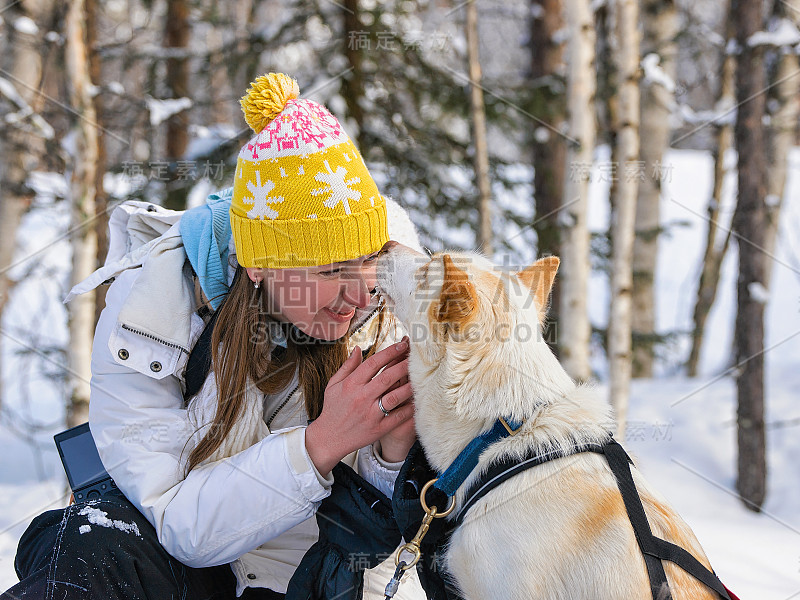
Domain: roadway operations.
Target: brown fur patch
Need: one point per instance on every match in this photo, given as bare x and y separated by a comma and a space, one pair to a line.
605, 507
458, 299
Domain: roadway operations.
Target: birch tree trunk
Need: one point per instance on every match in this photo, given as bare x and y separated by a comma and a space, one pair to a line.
660, 26
749, 223
549, 147
478, 114
82, 190
714, 253
574, 328
782, 131
626, 57
22, 144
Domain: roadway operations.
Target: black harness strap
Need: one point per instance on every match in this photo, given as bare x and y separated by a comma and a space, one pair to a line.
653, 548
619, 461
507, 467
668, 551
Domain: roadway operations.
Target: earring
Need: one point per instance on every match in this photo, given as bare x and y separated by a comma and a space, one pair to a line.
257, 283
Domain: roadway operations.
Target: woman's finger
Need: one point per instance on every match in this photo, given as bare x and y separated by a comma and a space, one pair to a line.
370, 367
396, 418
348, 366
397, 398
397, 360
400, 382
386, 379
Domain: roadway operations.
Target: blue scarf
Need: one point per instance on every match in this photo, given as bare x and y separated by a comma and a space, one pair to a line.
206, 232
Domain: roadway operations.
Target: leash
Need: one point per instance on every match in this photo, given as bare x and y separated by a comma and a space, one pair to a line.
413, 547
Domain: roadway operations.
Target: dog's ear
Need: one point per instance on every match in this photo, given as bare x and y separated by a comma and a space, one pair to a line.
539, 278
459, 298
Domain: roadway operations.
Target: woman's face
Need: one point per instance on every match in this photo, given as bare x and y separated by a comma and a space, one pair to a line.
319, 301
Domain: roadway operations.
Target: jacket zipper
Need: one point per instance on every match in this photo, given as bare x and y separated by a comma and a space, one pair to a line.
152, 337
277, 410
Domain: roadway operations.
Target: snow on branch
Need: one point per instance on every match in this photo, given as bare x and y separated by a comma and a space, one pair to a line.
723, 114
24, 111
784, 34
654, 74
25, 25
161, 110
758, 292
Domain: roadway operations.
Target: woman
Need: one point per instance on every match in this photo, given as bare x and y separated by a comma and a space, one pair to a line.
221, 481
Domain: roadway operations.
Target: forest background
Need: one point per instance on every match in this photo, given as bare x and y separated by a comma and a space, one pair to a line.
648, 144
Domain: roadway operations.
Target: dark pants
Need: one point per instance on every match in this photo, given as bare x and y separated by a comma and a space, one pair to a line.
63, 556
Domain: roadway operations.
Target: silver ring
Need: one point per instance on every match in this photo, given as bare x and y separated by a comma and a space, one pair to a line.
383, 410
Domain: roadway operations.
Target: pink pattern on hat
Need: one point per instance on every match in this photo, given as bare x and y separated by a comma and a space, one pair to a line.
302, 127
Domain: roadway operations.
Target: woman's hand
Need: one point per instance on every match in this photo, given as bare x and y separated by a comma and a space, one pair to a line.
351, 417
394, 446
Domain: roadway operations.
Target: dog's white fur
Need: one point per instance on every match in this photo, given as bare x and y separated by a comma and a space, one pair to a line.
559, 530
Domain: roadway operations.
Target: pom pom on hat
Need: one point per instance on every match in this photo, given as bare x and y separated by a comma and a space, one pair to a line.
266, 98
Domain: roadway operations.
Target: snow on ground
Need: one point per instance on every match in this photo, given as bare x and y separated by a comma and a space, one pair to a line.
681, 430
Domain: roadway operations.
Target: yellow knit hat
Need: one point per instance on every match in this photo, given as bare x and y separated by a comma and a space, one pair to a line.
302, 195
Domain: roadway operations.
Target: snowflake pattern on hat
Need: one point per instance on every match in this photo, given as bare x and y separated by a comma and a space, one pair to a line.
261, 200
338, 188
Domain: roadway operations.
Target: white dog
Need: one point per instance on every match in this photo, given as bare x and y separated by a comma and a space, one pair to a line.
559, 530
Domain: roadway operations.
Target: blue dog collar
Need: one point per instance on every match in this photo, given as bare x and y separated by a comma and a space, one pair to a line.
457, 473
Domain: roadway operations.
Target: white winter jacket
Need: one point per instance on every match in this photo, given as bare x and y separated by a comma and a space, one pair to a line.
252, 503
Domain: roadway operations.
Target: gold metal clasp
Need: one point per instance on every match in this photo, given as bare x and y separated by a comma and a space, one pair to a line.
413, 547
424, 491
